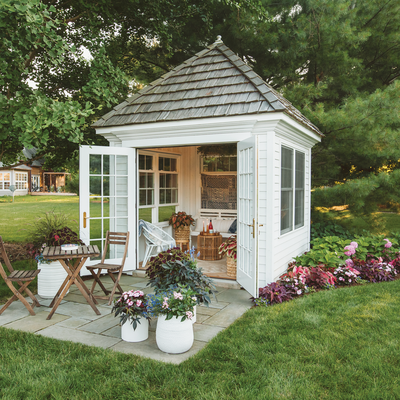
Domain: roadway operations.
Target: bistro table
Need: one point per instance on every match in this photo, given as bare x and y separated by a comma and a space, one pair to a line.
72, 261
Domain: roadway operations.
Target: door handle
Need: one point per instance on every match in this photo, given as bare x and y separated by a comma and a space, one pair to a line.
253, 226
84, 219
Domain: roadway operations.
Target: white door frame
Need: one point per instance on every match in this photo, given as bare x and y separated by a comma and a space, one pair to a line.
120, 193
247, 218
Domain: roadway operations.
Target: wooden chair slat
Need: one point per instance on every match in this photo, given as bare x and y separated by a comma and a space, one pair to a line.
19, 277
116, 238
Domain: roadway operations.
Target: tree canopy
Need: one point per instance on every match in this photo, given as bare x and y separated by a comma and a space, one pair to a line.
50, 92
337, 61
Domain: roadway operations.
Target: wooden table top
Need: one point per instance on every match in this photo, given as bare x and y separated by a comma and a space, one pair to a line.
55, 252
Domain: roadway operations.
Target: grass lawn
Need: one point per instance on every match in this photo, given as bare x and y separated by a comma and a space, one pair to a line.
384, 222
18, 217
338, 344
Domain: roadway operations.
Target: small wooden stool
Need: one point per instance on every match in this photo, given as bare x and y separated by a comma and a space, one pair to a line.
182, 243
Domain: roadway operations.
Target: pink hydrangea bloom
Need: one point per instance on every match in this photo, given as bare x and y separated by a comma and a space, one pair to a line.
350, 250
354, 244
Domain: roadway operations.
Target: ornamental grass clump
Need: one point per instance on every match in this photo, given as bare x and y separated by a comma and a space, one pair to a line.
132, 306
229, 248
50, 230
180, 219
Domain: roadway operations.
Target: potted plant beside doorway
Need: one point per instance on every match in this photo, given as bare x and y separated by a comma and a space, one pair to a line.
229, 248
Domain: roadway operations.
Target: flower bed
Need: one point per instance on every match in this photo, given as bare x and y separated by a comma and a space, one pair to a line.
334, 262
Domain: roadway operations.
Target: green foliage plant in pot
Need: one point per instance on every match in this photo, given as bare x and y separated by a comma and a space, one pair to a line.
173, 267
50, 230
132, 308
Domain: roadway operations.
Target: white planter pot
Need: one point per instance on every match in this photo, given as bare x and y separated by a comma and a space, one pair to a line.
135, 335
174, 336
50, 279
194, 319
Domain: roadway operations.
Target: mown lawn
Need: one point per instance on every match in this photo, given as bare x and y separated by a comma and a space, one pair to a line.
18, 217
338, 344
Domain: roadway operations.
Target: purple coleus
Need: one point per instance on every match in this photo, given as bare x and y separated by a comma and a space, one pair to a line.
275, 293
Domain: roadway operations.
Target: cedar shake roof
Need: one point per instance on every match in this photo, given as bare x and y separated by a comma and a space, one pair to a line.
213, 83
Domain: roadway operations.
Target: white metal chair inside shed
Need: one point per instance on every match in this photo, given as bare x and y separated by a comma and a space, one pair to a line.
156, 239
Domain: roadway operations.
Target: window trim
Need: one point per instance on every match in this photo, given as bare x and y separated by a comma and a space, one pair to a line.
156, 181
21, 182
293, 189
3, 180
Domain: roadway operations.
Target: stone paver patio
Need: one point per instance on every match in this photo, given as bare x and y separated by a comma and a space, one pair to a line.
75, 320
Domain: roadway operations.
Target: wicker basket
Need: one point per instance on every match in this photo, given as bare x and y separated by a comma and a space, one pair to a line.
231, 267
182, 233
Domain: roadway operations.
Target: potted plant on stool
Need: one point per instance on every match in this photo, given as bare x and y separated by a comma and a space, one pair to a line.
229, 248
181, 222
132, 307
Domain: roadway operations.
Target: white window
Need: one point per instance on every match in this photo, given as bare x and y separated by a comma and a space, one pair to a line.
292, 189
21, 180
5, 181
158, 186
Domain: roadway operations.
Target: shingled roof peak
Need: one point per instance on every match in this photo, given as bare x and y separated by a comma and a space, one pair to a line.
198, 87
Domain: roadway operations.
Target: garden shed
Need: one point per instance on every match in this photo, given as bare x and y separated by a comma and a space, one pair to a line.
210, 138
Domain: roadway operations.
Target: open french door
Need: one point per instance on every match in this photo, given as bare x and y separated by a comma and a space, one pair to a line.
108, 200
247, 232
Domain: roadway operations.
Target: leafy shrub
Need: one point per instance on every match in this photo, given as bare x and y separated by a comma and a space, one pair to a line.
273, 293
72, 185
314, 258
172, 268
156, 272
375, 270
320, 230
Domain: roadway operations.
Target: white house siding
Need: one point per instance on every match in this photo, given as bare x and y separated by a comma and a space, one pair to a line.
17, 192
296, 242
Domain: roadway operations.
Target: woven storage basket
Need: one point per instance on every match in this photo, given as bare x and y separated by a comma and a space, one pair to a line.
231, 267
182, 233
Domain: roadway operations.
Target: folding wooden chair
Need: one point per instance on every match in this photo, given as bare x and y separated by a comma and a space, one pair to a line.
111, 238
23, 278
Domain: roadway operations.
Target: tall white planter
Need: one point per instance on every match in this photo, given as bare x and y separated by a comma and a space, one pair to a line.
135, 335
50, 279
174, 336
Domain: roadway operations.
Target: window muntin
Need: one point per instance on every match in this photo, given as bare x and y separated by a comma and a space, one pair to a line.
158, 187
5, 180
299, 190
292, 189
21, 180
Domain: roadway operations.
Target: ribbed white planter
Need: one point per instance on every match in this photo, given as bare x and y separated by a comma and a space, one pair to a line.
194, 319
135, 335
50, 279
174, 336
